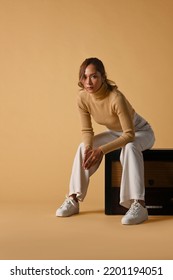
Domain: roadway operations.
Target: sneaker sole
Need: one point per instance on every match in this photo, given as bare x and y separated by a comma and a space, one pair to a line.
134, 223
61, 215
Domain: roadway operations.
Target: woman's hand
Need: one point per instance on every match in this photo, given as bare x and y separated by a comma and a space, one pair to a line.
91, 157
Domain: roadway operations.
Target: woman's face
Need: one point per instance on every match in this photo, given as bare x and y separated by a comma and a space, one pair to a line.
92, 79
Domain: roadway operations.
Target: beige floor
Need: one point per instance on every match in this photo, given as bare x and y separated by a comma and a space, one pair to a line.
32, 231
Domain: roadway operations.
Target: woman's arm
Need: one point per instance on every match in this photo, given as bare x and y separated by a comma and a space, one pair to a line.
122, 108
86, 124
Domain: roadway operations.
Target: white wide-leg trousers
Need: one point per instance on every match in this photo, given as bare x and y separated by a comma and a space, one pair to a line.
131, 158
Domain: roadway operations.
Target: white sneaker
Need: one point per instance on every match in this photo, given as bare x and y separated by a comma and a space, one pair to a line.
68, 208
135, 215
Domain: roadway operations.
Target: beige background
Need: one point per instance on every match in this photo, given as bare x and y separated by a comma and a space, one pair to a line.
42, 44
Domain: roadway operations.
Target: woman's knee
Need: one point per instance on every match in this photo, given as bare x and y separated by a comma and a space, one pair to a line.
130, 147
81, 145
81, 148
130, 150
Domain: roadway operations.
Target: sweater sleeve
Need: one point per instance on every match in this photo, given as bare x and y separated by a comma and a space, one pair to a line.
86, 123
125, 114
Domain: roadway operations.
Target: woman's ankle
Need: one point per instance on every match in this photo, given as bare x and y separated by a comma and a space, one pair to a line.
142, 202
74, 197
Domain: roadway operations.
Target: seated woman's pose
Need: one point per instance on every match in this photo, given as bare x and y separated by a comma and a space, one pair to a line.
100, 99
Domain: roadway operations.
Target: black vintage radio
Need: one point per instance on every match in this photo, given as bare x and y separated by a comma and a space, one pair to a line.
158, 170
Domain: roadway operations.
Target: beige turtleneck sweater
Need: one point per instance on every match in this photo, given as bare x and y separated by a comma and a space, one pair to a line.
108, 108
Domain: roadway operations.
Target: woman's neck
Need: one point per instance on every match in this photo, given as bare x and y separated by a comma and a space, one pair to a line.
101, 93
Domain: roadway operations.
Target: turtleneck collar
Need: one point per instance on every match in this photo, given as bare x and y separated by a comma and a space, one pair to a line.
101, 93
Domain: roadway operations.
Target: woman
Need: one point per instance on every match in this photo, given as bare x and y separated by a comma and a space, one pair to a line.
100, 99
